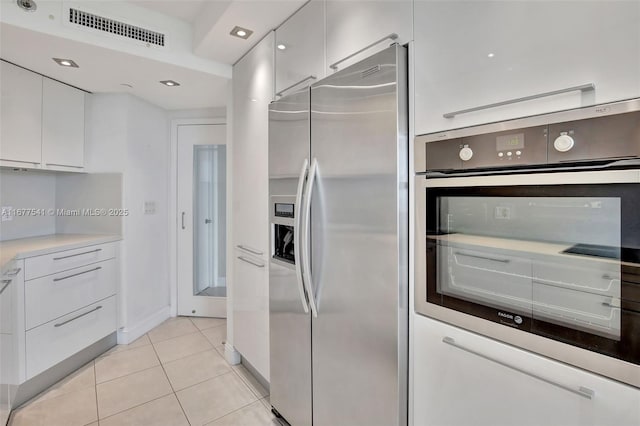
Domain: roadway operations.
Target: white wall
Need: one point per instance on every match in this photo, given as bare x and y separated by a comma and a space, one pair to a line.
130, 136
27, 190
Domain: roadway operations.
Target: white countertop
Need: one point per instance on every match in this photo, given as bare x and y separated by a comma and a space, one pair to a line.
37, 246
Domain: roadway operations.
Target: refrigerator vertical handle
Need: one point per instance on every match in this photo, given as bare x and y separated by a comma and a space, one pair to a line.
306, 267
297, 244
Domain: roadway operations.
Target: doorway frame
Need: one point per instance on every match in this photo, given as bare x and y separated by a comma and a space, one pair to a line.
173, 204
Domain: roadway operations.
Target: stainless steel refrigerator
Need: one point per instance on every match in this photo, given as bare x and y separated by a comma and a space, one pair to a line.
338, 283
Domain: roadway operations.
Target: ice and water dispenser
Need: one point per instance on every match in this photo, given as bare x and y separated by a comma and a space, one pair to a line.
282, 222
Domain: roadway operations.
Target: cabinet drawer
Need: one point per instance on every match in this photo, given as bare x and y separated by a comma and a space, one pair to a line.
57, 340
40, 266
50, 297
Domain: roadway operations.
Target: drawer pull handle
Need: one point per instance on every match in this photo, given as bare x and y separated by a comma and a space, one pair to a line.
77, 254
244, 259
13, 272
60, 324
250, 250
75, 275
582, 88
609, 277
581, 391
6, 284
493, 259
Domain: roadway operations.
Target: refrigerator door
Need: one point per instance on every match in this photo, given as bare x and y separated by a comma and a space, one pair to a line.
289, 325
359, 243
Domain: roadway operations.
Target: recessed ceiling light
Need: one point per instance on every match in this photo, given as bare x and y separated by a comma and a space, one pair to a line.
66, 62
491, 55
241, 32
28, 5
281, 46
170, 83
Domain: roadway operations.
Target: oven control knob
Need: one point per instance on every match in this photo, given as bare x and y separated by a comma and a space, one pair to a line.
466, 153
563, 143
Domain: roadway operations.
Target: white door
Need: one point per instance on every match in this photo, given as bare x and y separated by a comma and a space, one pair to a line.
202, 203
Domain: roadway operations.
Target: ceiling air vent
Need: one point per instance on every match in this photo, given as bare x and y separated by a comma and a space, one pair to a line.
115, 27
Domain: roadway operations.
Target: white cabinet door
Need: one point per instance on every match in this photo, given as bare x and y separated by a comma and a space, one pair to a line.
476, 380
252, 92
21, 116
300, 46
251, 310
470, 54
353, 25
62, 126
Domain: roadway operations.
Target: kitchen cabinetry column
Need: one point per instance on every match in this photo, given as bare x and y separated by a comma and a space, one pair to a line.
253, 90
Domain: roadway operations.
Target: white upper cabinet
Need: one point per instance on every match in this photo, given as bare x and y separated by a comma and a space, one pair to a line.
497, 384
42, 122
352, 25
252, 93
62, 126
21, 116
300, 46
470, 54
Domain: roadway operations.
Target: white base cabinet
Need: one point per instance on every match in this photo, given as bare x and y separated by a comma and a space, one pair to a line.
461, 378
470, 54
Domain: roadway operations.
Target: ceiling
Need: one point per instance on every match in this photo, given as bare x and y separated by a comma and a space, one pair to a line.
104, 70
201, 26
186, 10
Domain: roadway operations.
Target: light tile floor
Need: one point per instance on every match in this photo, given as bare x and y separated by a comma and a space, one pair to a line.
175, 375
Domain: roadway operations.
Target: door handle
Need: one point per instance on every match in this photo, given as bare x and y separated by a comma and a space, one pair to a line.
581, 391
306, 267
392, 36
311, 77
6, 284
183, 227
582, 88
297, 231
207, 221
250, 250
244, 259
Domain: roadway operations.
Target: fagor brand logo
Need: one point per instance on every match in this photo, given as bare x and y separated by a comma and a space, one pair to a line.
515, 318
505, 315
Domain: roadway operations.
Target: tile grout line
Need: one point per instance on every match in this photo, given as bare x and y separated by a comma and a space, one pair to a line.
135, 406
234, 411
95, 388
175, 395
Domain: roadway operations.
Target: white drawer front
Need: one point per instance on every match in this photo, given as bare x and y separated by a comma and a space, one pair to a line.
47, 264
57, 340
53, 296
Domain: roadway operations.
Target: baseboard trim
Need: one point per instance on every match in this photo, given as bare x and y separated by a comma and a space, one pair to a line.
127, 335
49, 377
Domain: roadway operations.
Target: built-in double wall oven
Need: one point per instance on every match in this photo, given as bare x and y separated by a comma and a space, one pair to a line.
528, 232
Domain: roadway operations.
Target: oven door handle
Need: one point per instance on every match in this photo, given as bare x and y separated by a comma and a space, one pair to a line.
296, 234
306, 264
581, 390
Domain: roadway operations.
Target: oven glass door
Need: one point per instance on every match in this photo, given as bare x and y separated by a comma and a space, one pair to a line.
561, 261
